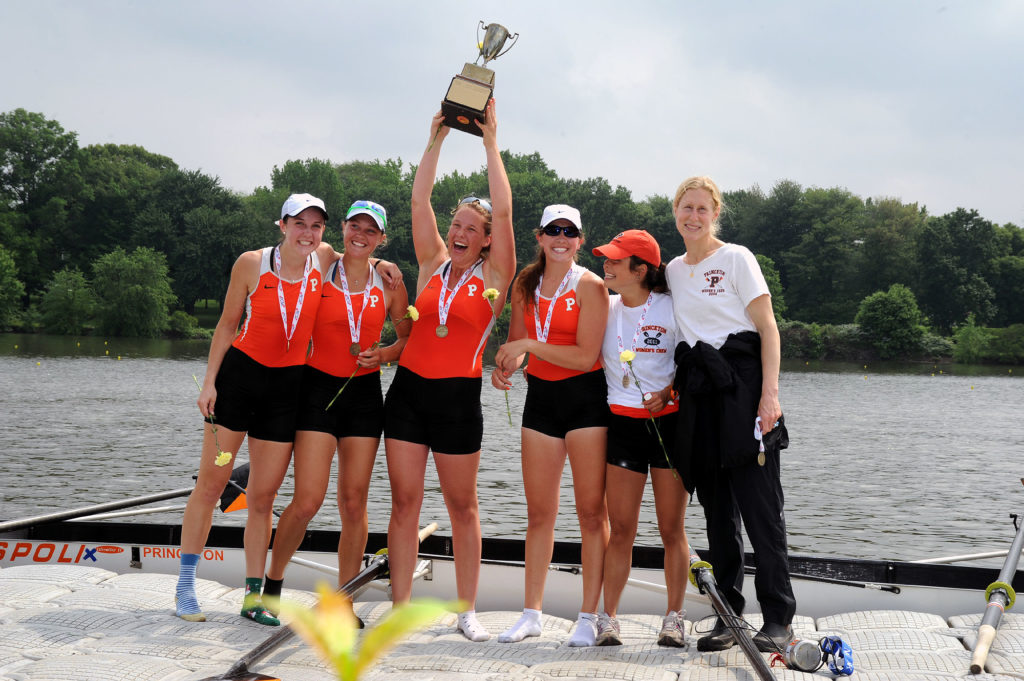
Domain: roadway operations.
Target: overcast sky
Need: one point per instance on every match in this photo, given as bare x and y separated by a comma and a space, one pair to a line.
921, 100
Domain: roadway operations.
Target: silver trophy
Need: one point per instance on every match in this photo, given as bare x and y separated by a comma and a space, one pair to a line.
470, 91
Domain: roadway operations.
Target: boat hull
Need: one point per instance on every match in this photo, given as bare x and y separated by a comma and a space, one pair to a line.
127, 547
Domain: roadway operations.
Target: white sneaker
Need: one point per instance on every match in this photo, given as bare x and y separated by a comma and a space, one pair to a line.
527, 625
471, 627
608, 631
585, 633
672, 630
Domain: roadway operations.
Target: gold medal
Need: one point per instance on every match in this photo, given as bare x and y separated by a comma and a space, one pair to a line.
760, 458
441, 331
355, 349
625, 381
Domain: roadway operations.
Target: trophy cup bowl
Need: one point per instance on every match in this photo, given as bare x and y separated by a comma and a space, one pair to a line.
469, 92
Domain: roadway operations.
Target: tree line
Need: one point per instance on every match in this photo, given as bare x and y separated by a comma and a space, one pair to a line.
69, 213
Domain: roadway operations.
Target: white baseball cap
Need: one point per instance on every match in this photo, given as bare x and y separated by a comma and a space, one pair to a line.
296, 203
374, 210
560, 211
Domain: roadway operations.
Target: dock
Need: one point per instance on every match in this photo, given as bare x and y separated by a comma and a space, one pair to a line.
76, 623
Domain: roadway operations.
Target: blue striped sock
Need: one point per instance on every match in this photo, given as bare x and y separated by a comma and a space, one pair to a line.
185, 595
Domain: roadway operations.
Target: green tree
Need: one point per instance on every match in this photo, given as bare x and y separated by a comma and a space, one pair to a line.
37, 160
133, 292
68, 303
888, 243
1008, 282
771, 277
35, 154
824, 265
312, 176
115, 184
970, 342
201, 228
11, 291
892, 321
955, 254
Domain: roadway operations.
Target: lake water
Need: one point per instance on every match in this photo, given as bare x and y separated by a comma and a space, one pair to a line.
887, 461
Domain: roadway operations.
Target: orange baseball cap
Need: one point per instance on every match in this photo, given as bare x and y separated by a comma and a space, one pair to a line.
632, 242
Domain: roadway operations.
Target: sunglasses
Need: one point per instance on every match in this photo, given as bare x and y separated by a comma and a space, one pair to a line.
473, 199
570, 231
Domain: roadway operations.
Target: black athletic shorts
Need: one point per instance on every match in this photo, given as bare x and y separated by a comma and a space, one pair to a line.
358, 411
442, 413
556, 407
633, 443
256, 399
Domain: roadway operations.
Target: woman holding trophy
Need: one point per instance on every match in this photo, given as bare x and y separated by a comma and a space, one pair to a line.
433, 404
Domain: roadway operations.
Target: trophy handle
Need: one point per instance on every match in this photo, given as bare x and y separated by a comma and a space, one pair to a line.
514, 39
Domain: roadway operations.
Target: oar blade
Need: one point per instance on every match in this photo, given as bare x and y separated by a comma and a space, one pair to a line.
233, 497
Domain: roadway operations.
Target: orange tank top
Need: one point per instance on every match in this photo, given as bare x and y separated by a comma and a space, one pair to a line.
263, 336
330, 350
460, 352
564, 321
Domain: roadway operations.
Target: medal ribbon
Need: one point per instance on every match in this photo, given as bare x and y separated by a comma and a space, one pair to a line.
444, 305
288, 333
636, 334
542, 332
355, 326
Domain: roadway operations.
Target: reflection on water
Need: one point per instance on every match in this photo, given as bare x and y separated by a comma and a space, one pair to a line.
885, 462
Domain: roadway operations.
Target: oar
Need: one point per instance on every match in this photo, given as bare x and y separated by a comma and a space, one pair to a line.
240, 473
703, 579
1000, 597
377, 568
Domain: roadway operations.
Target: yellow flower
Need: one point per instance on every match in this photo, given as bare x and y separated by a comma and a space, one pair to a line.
330, 628
491, 294
627, 356
223, 458
412, 313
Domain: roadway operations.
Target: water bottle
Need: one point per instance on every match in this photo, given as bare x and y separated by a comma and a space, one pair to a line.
803, 655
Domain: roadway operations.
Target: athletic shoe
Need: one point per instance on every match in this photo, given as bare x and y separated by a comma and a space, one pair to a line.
719, 638
671, 633
608, 632
773, 638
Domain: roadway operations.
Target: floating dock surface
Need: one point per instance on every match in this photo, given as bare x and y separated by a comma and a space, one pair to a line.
73, 623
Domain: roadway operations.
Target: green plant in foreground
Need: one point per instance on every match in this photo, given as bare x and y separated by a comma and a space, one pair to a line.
330, 628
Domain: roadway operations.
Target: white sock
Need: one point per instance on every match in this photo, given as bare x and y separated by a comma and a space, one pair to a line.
527, 625
586, 630
471, 628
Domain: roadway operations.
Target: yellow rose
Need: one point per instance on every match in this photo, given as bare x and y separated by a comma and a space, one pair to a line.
223, 458
491, 294
412, 313
627, 356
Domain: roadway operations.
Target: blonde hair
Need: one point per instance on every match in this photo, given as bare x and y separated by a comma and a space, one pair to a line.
706, 183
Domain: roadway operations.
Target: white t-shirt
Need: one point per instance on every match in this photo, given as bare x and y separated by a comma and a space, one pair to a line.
710, 298
655, 346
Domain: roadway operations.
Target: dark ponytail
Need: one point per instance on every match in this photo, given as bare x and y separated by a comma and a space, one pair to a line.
654, 279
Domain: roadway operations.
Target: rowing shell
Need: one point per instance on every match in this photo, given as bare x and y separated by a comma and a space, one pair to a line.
823, 586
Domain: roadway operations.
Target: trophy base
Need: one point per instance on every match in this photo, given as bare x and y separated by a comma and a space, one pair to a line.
467, 97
